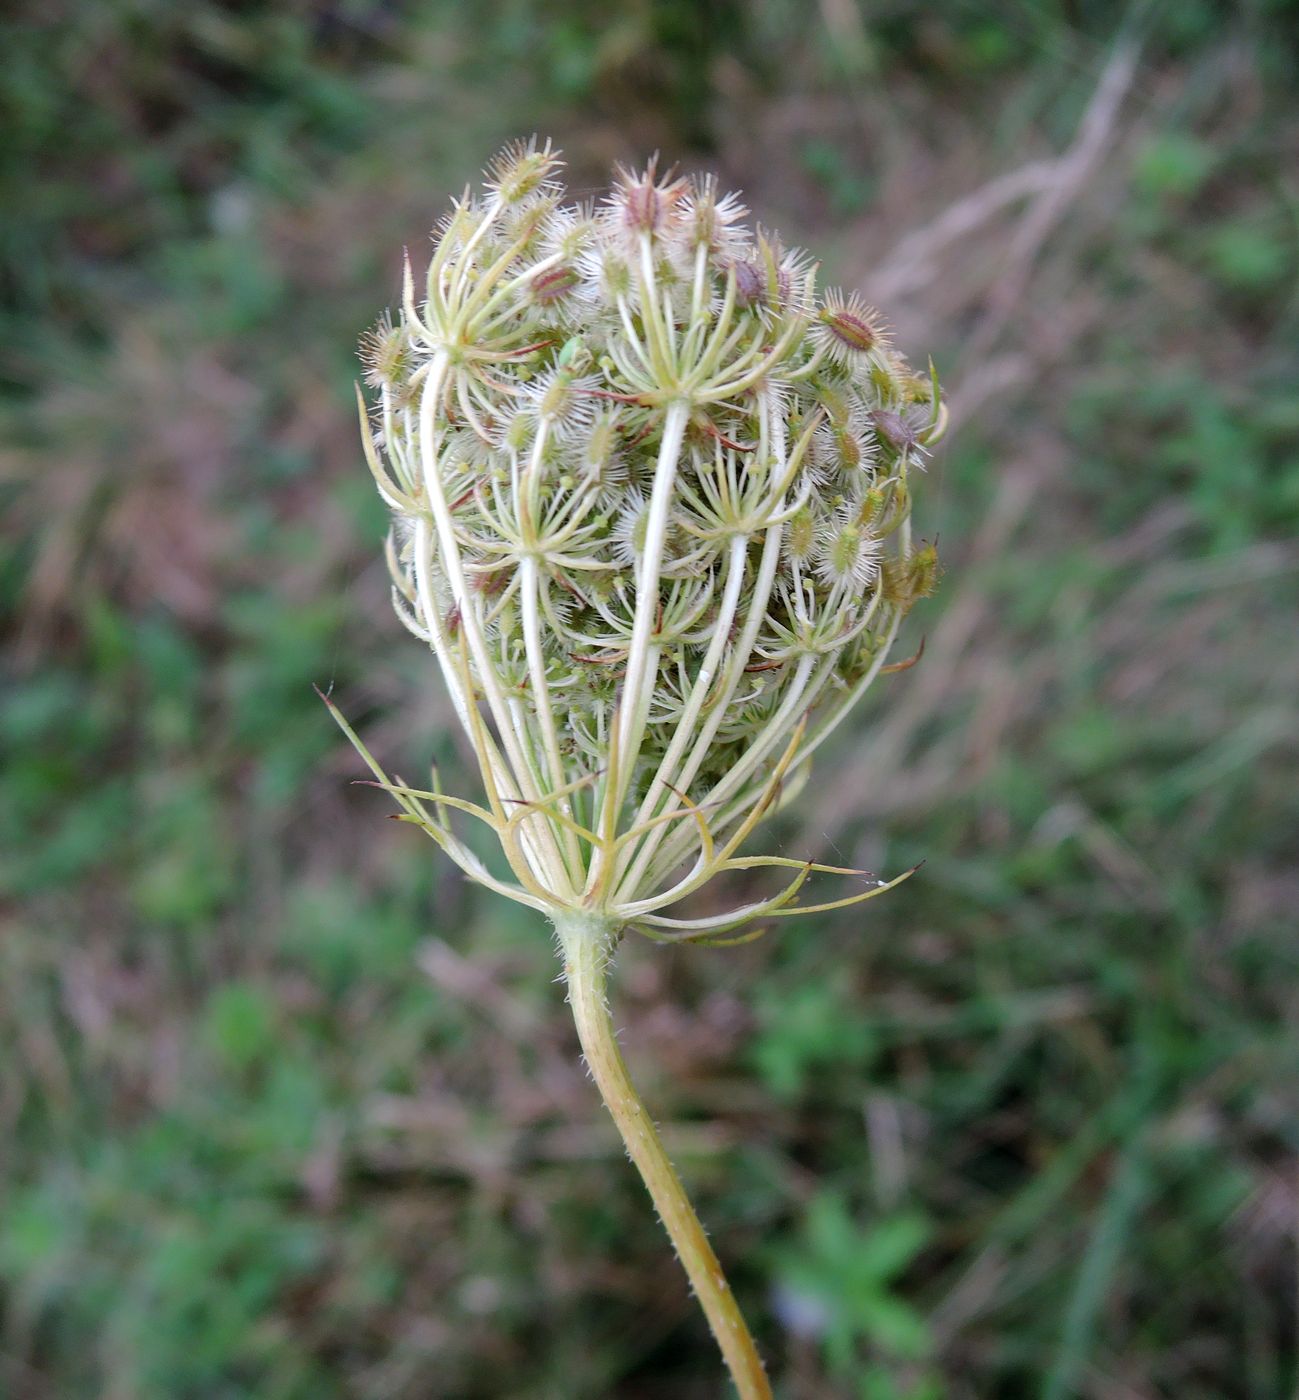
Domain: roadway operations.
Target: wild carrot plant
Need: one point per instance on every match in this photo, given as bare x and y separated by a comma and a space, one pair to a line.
651, 502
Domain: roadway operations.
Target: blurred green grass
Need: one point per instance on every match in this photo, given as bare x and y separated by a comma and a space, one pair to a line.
288, 1110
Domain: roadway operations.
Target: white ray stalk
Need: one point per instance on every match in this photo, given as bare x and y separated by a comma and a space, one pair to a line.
642, 658
551, 868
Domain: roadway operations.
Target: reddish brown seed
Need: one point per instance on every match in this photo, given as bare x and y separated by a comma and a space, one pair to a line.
642, 206
553, 285
489, 585
646, 204
851, 330
750, 284
893, 428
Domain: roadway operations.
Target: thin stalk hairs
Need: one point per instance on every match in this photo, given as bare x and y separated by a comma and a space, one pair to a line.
651, 512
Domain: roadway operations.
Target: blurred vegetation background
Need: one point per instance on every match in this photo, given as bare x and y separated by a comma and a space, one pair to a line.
286, 1109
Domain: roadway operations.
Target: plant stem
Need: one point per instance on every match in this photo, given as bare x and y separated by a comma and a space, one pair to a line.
587, 942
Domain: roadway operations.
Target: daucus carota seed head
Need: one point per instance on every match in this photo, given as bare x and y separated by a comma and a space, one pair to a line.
651, 513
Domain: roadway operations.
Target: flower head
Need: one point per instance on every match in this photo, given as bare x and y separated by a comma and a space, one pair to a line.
652, 515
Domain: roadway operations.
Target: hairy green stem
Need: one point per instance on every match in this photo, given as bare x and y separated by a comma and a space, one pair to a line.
587, 942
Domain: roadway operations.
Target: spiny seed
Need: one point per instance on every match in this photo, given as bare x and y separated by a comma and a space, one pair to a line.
802, 534
893, 428
554, 285
855, 333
